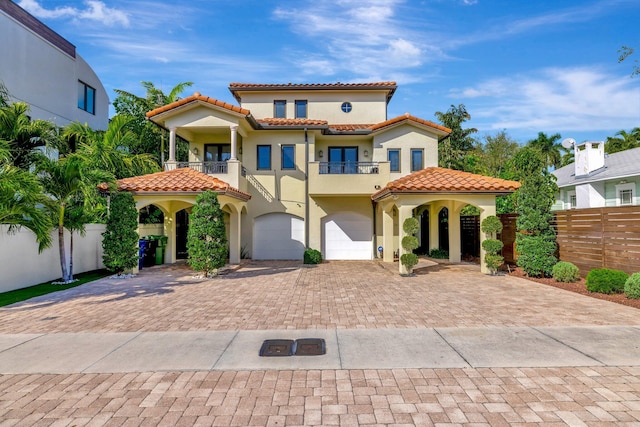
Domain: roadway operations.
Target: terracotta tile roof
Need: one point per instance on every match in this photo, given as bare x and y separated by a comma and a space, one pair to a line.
441, 180
291, 122
178, 180
197, 97
351, 127
409, 118
234, 88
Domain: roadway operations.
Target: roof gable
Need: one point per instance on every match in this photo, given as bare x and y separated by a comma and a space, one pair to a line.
197, 98
237, 88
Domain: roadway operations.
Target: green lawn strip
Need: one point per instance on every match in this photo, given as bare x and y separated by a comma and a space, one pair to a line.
24, 294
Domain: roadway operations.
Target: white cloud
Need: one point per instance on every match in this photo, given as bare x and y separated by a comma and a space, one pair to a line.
356, 37
555, 99
95, 11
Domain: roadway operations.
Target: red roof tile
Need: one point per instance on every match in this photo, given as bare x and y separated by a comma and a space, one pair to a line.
441, 180
194, 98
178, 180
351, 127
291, 122
409, 118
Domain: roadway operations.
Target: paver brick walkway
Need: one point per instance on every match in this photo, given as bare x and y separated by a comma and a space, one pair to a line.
330, 296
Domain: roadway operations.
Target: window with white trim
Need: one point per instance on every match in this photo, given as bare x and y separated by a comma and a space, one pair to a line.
625, 194
572, 200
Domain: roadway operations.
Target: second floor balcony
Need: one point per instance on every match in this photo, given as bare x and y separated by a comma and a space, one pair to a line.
347, 178
210, 168
230, 171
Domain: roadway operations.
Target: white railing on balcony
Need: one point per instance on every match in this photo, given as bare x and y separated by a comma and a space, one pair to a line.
205, 167
362, 168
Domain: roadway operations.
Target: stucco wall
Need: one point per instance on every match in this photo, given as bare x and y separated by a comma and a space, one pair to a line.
22, 266
42, 75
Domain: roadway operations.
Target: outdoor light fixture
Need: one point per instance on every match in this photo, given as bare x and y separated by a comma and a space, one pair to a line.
195, 151
320, 154
366, 153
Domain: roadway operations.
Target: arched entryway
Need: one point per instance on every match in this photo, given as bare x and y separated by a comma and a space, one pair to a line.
182, 229
424, 232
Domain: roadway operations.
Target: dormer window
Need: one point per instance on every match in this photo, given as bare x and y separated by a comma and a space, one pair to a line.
280, 109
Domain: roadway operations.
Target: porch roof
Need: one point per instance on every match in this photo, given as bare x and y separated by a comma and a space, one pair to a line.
441, 180
182, 180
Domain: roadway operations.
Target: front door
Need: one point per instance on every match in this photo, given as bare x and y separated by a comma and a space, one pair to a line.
343, 159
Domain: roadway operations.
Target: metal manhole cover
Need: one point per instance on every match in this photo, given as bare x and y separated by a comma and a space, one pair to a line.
274, 348
310, 347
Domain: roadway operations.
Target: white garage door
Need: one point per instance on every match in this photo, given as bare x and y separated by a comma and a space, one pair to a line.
348, 236
278, 236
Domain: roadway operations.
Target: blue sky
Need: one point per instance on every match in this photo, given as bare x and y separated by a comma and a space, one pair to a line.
523, 66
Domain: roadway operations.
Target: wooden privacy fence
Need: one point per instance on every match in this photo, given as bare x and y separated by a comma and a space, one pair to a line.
590, 238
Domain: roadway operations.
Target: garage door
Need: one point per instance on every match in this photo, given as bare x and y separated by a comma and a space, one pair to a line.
348, 236
278, 236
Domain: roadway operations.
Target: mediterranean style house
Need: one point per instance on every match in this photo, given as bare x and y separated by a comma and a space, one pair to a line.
317, 166
43, 69
597, 180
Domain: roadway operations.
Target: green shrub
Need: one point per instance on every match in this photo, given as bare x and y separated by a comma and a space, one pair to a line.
312, 256
491, 224
439, 253
535, 254
606, 281
565, 272
410, 242
493, 262
492, 246
632, 286
206, 238
409, 260
120, 238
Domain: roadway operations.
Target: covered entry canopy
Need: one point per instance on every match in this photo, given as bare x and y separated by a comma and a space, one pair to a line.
177, 189
435, 188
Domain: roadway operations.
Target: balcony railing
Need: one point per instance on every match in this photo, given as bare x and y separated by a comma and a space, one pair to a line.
205, 167
362, 168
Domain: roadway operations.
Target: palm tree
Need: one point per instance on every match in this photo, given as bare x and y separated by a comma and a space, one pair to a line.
623, 141
68, 182
455, 147
549, 148
21, 200
24, 135
132, 105
108, 150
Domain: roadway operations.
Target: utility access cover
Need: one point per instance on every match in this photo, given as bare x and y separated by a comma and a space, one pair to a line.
275, 348
310, 347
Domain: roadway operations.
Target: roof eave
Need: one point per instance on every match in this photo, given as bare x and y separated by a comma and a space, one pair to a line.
386, 193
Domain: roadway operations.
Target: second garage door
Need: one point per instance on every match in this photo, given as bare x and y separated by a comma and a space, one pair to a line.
347, 236
278, 236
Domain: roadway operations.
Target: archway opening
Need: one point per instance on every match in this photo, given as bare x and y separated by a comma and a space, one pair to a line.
182, 228
470, 233
443, 229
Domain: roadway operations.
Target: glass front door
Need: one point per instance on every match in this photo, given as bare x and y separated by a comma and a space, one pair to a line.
217, 152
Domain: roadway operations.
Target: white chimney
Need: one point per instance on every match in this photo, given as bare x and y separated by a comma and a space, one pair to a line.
589, 157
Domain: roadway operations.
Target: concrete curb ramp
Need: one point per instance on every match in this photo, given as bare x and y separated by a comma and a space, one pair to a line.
67, 353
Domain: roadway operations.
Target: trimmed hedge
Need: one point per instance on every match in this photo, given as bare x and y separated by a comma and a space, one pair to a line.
565, 272
606, 281
632, 286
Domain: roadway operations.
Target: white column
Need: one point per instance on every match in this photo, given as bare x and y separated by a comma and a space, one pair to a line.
455, 248
387, 234
172, 144
234, 139
234, 236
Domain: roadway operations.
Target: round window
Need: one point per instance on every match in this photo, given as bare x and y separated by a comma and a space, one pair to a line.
346, 107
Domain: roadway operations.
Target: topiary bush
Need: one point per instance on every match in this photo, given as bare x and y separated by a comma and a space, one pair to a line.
409, 260
491, 224
411, 226
312, 256
606, 281
409, 243
565, 272
632, 286
493, 262
492, 246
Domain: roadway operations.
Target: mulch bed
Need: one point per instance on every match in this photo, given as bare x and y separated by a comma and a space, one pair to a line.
578, 287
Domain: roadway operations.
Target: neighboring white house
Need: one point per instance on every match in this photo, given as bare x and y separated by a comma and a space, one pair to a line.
597, 179
41, 68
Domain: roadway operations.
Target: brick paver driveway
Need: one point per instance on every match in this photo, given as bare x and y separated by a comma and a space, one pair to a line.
332, 295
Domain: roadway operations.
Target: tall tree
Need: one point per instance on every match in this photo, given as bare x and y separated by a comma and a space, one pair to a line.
625, 52
68, 182
151, 138
497, 151
549, 148
207, 238
120, 238
454, 148
536, 238
21, 200
623, 141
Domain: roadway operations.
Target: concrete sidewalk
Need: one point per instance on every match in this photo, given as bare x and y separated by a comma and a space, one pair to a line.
487, 347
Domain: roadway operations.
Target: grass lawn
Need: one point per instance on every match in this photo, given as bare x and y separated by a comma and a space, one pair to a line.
24, 294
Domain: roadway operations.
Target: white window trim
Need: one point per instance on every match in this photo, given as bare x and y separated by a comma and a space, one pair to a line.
568, 205
628, 186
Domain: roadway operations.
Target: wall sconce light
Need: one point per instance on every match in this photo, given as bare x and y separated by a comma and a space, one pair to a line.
320, 154
377, 187
366, 153
195, 151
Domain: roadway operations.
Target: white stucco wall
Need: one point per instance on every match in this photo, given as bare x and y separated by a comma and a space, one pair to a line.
22, 266
37, 72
